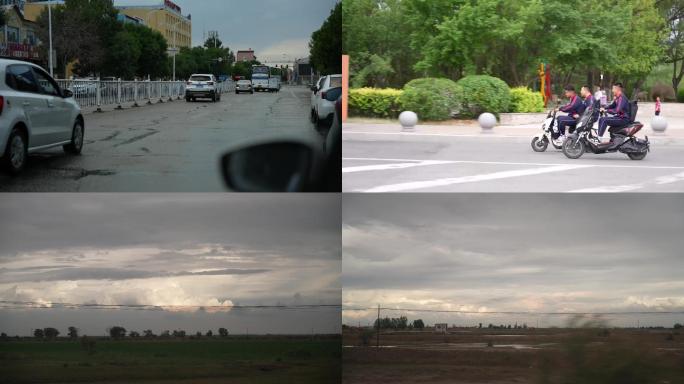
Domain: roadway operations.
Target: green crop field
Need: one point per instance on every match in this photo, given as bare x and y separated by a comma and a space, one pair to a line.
231, 360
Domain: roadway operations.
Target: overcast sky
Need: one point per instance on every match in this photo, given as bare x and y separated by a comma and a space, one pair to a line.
537, 253
270, 27
173, 250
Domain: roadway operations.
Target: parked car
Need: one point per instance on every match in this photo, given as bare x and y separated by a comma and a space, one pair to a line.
35, 114
202, 86
243, 86
322, 109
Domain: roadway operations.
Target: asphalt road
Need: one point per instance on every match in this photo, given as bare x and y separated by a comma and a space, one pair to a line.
405, 162
169, 147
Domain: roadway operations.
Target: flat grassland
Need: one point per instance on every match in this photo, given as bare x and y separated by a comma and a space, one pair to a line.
530, 356
206, 361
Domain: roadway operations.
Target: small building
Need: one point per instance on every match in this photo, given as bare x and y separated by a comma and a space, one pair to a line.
18, 36
441, 327
247, 55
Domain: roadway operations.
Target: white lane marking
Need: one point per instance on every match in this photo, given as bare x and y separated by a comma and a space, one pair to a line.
471, 179
432, 134
381, 167
670, 179
514, 163
610, 189
662, 180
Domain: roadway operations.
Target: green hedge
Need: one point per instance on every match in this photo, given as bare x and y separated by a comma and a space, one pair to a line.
524, 100
373, 102
680, 95
482, 93
431, 98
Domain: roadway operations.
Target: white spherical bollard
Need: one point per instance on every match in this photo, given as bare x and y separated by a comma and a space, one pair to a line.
408, 120
487, 121
659, 124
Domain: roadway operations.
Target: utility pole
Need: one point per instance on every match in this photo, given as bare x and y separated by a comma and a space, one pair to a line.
377, 343
50, 33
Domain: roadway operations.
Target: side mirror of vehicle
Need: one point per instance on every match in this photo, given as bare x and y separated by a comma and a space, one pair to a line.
67, 93
271, 167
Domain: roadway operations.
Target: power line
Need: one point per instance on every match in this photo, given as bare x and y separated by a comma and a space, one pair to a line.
515, 312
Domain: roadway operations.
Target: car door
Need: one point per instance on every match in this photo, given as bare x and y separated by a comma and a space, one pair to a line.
32, 102
314, 95
61, 126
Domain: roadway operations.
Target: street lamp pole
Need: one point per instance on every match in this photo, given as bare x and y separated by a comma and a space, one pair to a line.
50, 33
175, 47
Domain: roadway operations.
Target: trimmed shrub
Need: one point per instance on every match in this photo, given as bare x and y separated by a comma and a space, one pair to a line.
524, 100
482, 93
664, 91
431, 98
373, 102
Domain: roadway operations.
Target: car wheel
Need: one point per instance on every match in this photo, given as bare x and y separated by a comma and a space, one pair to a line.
16, 153
77, 134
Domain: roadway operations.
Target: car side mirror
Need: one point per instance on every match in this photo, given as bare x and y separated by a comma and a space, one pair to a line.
67, 94
272, 167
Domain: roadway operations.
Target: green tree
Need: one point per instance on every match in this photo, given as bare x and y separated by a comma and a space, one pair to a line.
326, 44
124, 55
213, 42
117, 332
50, 333
38, 333
418, 324
673, 13
73, 332
223, 332
2, 17
210, 333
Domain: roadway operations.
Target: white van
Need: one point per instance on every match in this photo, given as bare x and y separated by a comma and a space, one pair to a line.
274, 84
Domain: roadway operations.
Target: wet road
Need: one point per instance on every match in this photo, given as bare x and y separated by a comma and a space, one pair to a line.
170, 147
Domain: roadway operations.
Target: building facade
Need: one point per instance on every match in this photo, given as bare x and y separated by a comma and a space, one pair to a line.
247, 55
18, 36
166, 18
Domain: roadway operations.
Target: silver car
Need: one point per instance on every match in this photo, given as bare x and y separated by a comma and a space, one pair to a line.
35, 114
243, 86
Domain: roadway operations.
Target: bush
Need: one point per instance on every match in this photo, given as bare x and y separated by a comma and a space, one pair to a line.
431, 98
680, 95
482, 93
664, 91
373, 102
524, 100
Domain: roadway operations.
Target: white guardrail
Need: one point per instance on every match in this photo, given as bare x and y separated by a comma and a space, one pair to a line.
97, 93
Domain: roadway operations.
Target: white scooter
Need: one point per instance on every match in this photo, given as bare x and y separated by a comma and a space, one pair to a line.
541, 141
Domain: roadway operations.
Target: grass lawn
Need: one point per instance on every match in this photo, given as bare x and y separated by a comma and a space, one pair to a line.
232, 360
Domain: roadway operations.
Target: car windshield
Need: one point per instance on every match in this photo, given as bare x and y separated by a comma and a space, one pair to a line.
200, 78
243, 82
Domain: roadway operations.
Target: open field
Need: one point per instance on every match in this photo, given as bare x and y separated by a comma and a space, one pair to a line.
465, 355
233, 360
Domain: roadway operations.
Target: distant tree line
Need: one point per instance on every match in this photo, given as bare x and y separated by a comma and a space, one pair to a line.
119, 333
398, 323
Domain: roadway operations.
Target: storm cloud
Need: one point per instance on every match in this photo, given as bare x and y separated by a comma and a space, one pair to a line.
179, 251
523, 253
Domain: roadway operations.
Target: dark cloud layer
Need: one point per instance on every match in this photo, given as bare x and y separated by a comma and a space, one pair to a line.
514, 252
175, 250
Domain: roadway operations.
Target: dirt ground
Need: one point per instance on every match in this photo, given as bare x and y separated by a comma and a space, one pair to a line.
468, 356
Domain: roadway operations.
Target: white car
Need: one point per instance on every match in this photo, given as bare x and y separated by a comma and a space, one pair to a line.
323, 110
202, 86
35, 114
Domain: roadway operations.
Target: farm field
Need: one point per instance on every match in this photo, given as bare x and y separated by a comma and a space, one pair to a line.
505, 356
265, 359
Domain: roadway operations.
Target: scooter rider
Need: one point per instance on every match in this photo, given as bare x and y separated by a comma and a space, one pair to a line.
574, 109
619, 108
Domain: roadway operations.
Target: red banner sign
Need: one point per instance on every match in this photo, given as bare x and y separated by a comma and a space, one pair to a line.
172, 5
19, 51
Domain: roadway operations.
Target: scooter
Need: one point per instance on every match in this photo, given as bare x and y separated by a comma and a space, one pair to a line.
541, 141
622, 139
